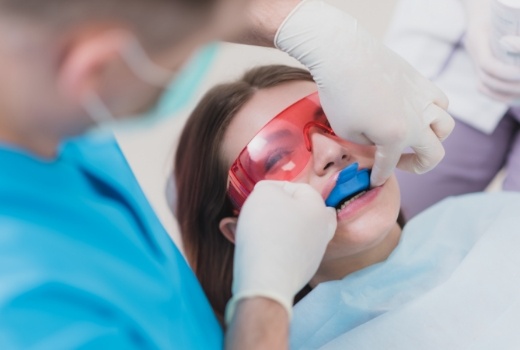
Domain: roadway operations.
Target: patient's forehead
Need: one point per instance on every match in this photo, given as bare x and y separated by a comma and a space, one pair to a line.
258, 111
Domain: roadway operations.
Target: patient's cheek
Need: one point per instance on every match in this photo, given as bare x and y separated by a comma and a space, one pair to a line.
394, 192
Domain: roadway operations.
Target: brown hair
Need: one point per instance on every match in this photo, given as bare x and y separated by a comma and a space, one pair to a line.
201, 177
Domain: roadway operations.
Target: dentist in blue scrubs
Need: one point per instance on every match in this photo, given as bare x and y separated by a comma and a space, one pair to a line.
84, 261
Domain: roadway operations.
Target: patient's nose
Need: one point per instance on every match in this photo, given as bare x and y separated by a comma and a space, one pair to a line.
328, 155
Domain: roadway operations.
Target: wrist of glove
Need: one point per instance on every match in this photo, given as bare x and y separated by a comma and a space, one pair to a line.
369, 93
282, 233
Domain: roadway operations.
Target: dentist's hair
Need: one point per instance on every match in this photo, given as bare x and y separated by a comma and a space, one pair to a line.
201, 177
57, 8
151, 18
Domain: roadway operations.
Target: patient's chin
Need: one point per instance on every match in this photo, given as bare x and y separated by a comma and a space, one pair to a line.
361, 235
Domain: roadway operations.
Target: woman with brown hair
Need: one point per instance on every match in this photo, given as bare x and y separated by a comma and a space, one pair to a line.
222, 123
269, 125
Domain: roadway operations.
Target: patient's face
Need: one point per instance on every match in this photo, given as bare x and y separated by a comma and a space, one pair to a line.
364, 222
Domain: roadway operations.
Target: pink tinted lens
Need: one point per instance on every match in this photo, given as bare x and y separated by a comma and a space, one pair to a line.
279, 151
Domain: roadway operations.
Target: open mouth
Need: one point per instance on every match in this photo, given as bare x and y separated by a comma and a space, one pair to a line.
349, 199
350, 185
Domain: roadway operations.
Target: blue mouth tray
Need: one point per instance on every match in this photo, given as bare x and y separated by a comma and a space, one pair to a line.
350, 181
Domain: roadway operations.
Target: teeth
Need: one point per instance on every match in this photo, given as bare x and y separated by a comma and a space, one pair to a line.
350, 201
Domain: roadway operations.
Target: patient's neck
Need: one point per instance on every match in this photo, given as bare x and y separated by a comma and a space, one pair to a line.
336, 269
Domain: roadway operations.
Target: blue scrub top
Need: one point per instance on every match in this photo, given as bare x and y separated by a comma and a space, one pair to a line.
85, 262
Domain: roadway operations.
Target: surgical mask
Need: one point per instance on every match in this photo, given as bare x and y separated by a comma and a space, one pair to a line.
142, 67
178, 89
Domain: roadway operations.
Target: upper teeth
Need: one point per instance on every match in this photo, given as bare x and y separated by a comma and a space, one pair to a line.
350, 200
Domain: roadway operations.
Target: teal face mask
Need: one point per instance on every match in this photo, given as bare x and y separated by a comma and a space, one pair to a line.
178, 90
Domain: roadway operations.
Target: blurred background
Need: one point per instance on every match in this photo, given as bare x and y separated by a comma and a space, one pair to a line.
150, 149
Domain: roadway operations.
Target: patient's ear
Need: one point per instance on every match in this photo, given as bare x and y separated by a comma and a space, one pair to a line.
228, 227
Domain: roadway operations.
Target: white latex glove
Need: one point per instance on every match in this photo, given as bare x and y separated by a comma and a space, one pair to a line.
369, 93
498, 80
282, 233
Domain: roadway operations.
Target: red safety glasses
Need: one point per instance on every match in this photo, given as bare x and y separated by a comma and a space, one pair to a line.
280, 150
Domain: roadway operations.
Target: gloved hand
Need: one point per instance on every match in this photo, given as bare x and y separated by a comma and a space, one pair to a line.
497, 79
369, 93
282, 233
510, 43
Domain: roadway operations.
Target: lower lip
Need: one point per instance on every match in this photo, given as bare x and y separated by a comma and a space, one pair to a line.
359, 203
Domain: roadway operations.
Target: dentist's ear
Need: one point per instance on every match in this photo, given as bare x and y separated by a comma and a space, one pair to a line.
85, 60
228, 227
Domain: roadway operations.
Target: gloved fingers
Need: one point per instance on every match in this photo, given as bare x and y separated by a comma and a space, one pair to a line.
510, 43
439, 97
439, 120
306, 192
386, 159
500, 86
352, 136
274, 185
333, 222
428, 153
302, 192
494, 68
501, 97
264, 193
296, 190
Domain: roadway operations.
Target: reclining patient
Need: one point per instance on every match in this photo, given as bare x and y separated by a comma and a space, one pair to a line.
448, 279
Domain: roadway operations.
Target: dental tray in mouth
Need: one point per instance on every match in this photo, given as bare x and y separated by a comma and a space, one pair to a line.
350, 182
